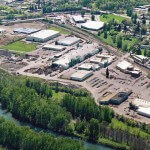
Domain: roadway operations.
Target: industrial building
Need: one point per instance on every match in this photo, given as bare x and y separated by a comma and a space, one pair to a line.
119, 98
140, 58
81, 75
53, 47
68, 41
123, 66
25, 30
104, 100
43, 36
102, 60
143, 107
114, 98
93, 25
141, 103
77, 55
78, 19
89, 66
144, 111
126, 67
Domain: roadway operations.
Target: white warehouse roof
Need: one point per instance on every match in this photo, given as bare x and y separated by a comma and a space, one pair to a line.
53, 47
26, 30
78, 19
144, 111
68, 41
79, 53
93, 25
43, 35
123, 65
81, 75
142, 103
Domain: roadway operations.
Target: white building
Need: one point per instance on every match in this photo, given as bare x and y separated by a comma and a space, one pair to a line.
123, 66
78, 19
141, 103
68, 41
43, 36
81, 75
53, 47
93, 25
79, 54
144, 111
89, 66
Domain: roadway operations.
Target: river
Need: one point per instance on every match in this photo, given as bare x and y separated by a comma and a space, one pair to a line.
8, 116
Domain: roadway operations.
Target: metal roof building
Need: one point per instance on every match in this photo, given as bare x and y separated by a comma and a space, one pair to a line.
78, 19
79, 54
144, 111
26, 30
53, 47
141, 103
89, 66
68, 41
81, 75
43, 36
93, 25
123, 66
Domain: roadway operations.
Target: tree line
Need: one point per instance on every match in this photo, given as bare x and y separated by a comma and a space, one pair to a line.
16, 137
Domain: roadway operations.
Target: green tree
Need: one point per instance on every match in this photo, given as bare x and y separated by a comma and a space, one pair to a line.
144, 30
119, 42
94, 129
125, 47
105, 35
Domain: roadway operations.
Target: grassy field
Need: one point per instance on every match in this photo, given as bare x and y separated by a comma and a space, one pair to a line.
62, 31
109, 17
20, 47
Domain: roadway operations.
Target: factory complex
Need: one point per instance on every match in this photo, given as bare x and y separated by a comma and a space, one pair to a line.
73, 58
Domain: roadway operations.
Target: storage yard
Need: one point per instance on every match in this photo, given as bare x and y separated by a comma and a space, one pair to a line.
69, 58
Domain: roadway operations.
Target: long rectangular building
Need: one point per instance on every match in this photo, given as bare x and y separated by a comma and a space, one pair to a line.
43, 36
77, 55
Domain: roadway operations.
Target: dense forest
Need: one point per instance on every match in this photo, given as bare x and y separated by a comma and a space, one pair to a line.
64, 109
14, 137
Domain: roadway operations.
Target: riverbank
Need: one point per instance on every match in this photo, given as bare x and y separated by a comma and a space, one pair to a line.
8, 116
105, 144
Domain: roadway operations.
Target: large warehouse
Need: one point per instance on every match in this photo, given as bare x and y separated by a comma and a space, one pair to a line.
25, 30
81, 75
68, 41
93, 25
77, 55
42, 36
144, 111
